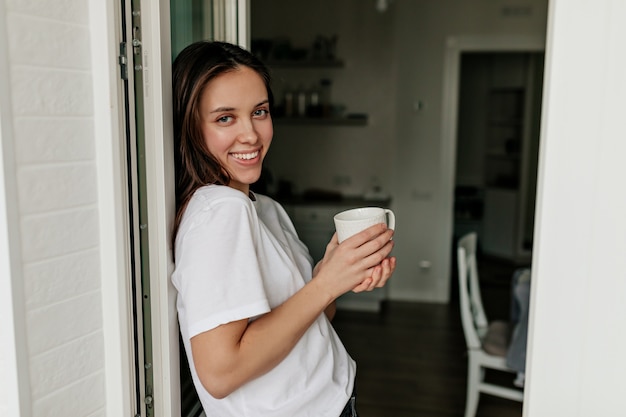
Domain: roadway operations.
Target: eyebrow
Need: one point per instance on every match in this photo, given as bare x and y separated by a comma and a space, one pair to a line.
223, 109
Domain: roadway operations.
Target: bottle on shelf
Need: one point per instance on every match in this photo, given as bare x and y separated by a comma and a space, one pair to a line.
289, 103
301, 102
314, 108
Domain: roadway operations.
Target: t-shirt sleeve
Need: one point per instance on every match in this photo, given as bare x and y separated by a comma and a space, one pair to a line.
219, 277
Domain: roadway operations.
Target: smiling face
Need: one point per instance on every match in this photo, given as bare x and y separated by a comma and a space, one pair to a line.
236, 124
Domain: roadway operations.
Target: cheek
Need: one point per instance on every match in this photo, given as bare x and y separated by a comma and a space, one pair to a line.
214, 141
268, 132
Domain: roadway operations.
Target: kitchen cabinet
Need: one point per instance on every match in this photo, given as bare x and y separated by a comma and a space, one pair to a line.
314, 223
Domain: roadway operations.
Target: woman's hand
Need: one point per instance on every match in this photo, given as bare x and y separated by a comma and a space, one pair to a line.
379, 278
360, 263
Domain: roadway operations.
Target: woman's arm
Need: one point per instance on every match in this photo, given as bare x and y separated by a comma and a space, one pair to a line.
332, 307
232, 354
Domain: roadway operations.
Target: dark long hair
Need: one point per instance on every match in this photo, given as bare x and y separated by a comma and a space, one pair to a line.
193, 69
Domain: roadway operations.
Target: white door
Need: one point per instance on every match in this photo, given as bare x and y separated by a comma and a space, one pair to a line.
156, 32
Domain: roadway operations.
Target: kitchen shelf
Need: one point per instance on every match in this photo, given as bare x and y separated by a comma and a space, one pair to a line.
321, 121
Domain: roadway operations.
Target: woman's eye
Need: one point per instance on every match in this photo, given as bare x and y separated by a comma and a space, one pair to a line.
224, 119
261, 112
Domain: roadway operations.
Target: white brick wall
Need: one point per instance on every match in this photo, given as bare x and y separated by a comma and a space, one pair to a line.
52, 103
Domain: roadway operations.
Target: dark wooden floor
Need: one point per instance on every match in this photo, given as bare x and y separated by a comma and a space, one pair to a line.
411, 357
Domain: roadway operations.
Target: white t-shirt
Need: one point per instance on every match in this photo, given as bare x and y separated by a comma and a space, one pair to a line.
236, 259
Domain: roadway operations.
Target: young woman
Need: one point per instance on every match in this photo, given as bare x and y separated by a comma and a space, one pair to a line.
253, 312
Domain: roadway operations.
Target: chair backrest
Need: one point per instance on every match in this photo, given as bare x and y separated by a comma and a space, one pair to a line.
472, 312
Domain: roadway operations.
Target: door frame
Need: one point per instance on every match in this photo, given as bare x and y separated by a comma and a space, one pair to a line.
455, 46
109, 129
159, 163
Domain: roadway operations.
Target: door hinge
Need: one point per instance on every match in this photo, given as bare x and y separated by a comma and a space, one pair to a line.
123, 61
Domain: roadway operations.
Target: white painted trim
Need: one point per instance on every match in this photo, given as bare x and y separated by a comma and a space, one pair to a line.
455, 46
243, 23
218, 20
230, 21
157, 98
16, 395
109, 137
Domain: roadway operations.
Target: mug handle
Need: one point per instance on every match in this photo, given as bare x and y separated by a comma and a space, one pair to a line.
391, 219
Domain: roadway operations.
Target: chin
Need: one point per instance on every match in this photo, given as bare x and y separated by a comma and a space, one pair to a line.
254, 178
244, 181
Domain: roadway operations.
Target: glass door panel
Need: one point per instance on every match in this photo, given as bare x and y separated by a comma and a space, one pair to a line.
222, 20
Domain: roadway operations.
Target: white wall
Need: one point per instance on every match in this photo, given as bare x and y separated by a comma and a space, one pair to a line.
52, 158
578, 328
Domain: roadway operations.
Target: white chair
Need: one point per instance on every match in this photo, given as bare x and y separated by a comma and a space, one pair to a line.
487, 342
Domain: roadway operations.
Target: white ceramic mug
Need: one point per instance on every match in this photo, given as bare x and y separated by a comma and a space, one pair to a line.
351, 222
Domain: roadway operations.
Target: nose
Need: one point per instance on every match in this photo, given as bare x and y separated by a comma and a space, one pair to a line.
248, 133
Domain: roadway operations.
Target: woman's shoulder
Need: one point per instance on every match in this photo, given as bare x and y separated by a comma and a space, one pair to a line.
214, 207
211, 194
213, 191
217, 197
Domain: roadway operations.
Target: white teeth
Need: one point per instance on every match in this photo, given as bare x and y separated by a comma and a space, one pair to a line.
246, 155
